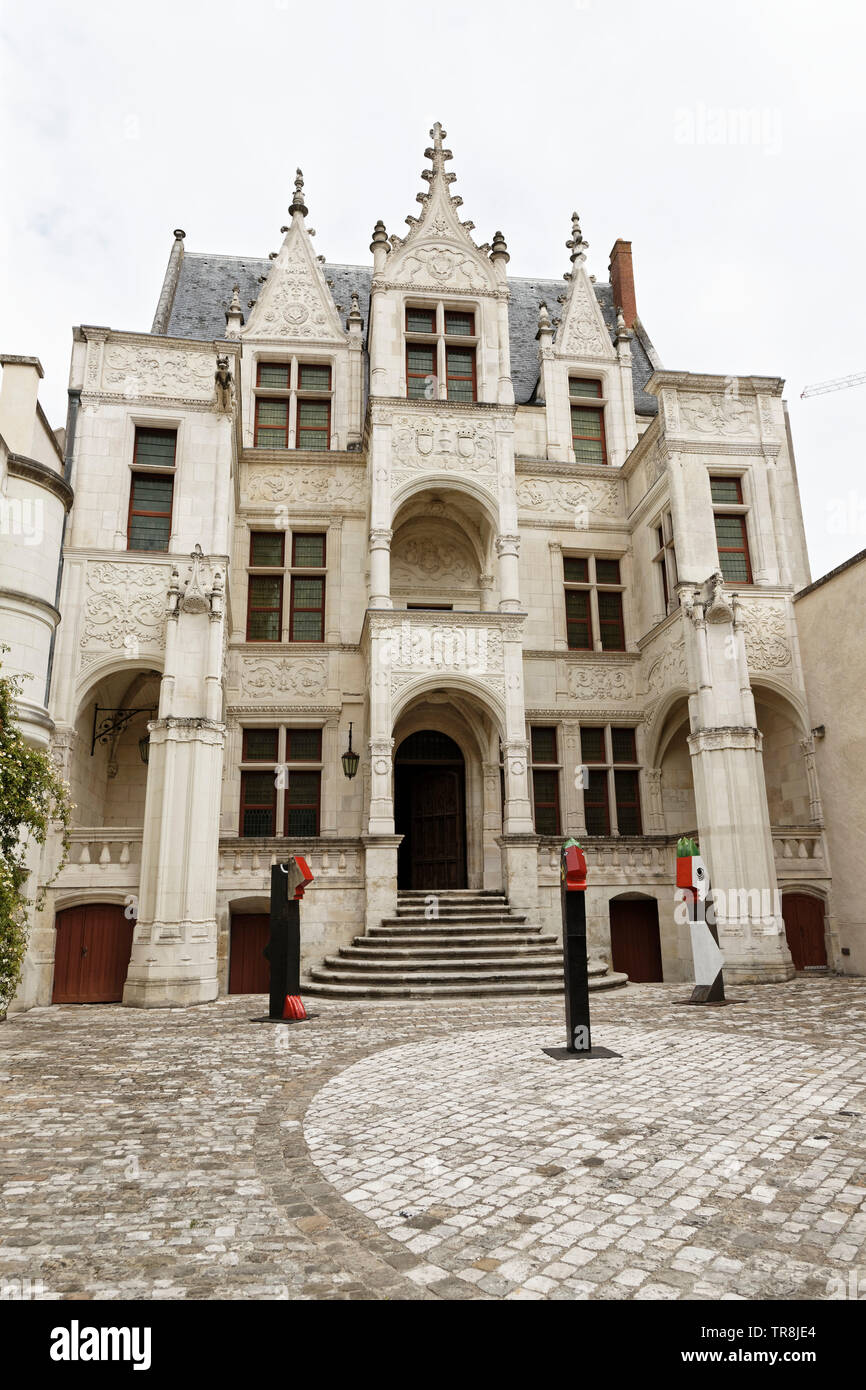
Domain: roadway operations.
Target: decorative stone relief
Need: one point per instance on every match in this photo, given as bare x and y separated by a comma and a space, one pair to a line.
418, 647
600, 683
125, 606
317, 486
558, 496
766, 635
145, 371
443, 265
419, 559
303, 677
450, 444
583, 334
667, 669
294, 307
717, 413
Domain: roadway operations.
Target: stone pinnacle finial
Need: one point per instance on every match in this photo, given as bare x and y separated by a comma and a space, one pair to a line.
543, 318
438, 155
297, 204
499, 248
576, 244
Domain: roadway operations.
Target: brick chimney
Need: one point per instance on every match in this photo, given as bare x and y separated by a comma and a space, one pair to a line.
622, 280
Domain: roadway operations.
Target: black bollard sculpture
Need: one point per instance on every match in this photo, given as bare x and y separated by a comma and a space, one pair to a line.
283, 950
574, 958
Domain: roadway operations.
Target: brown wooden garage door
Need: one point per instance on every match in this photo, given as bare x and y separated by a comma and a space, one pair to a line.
249, 971
91, 954
804, 928
635, 946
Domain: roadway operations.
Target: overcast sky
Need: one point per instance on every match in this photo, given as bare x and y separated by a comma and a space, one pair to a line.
724, 140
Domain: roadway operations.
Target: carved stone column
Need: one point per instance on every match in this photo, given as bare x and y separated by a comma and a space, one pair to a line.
508, 549
574, 820
655, 810
380, 568
175, 943
492, 825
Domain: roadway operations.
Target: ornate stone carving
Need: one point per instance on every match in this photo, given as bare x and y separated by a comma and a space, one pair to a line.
316, 486
600, 683
419, 559
146, 371
410, 645
443, 265
563, 496
766, 635
582, 334
717, 413
302, 677
125, 606
667, 669
452, 444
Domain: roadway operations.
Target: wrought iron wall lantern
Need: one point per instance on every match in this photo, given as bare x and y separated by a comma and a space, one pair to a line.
350, 759
113, 721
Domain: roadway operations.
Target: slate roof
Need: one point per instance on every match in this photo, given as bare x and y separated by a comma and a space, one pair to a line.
205, 284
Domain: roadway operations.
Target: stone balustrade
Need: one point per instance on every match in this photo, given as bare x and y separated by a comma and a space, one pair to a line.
249, 861
102, 855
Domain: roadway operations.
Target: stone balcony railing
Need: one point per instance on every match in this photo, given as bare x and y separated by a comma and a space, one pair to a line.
640, 859
247, 862
799, 852
102, 854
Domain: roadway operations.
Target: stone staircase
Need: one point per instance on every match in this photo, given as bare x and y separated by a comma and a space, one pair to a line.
476, 948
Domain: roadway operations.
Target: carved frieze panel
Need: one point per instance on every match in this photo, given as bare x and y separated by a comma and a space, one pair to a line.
583, 332
438, 266
565, 496
418, 647
667, 669
718, 413
268, 678
766, 636
312, 486
600, 682
133, 370
452, 444
124, 607
430, 559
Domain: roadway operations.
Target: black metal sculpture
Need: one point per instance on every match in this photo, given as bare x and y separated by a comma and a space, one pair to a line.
283, 950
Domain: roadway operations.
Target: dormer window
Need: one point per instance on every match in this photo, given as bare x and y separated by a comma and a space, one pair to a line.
587, 420
293, 405
432, 355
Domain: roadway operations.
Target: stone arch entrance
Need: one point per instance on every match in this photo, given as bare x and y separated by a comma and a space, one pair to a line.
430, 811
803, 915
635, 943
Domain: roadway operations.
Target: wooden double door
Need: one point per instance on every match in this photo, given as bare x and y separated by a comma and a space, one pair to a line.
91, 954
430, 812
804, 929
635, 944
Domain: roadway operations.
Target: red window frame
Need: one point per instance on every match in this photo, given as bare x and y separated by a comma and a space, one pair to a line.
247, 757
464, 315
316, 366
270, 534
585, 403
734, 549
286, 366
453, 376
289, 805
320, 535
627, 804
306, 757
139, 511
285, 444
430, 314
543, 729
416, 375
592, 729
265, 607
620, 729
257, 805
572, 622
140, 432
545, 803
295, 608
727, 501
313, 429
596, 798
611, 624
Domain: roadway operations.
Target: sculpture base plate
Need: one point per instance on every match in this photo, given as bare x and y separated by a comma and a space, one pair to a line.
709, 1003
564, 1054
265, 1018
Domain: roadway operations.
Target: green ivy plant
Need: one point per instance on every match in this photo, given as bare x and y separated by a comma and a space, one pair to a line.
32, 797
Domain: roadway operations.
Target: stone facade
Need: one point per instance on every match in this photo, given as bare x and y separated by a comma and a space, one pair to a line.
448, 518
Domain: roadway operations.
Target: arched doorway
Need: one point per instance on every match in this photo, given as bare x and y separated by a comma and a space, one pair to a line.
804, 930
91, 955
430, 811
635, 944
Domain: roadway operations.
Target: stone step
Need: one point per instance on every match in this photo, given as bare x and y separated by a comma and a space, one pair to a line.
479, 934
451, 893
349, 965
335, 988
386, 951
409, 918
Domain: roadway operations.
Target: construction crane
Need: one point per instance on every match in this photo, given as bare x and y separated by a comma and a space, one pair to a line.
839, 383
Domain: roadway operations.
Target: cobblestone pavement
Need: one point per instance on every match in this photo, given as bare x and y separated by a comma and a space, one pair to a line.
432, 1150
